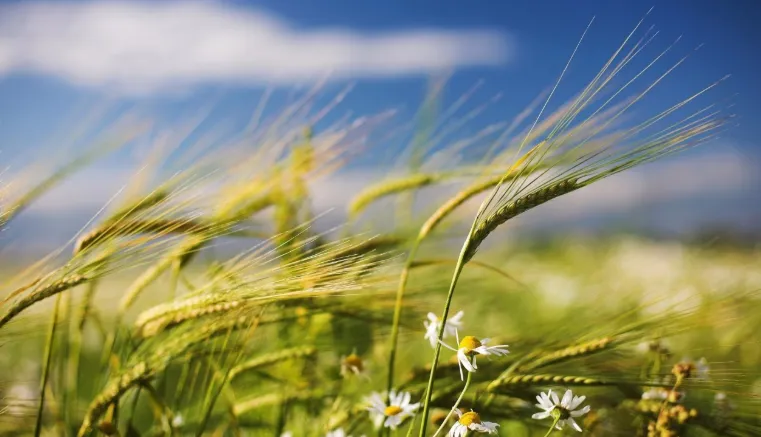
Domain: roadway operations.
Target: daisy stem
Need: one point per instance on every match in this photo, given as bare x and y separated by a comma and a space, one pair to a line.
455, 276
456, 404
398, 312
552, 427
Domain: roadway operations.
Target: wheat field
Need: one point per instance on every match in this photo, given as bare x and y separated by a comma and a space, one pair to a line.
211, 297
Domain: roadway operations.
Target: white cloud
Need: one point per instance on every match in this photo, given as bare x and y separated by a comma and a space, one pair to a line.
146, 45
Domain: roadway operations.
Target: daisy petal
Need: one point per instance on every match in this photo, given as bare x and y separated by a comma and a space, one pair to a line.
577, 400
574, 424
464, 360
581, 412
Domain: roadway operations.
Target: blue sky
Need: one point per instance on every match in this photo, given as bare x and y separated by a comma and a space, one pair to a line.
541, 35
60, 59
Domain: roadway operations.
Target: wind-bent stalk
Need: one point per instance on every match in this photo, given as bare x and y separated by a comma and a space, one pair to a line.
457, 270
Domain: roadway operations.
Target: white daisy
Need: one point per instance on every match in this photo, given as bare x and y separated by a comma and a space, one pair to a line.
393, 414
563, 411
470, 347
433, 324
352, 365
471, 421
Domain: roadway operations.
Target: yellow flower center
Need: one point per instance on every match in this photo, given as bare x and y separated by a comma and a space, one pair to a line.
470, 417
469, 343
354, 361
392, 410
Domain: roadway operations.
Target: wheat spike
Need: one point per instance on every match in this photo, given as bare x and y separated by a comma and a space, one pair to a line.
272, 358
388, 188
544, 379
515, 208
39, 294
161, 227
586, 348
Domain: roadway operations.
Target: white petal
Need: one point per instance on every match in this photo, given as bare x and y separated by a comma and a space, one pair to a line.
566, 401
491, 426
485, 341
483, 350
393, 421
497, 350
577, 400
554, 396
457, 412
546, 401
540, 416
574, 424
392, 396
457, 430
581, 412
464, 360
406, 399
447, 346
432, 317
474, 363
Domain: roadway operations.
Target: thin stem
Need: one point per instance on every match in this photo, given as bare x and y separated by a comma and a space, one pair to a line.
46, 370
552, 427
456, 404
458, 269
135, 401
398, 313
75, 354
210, 402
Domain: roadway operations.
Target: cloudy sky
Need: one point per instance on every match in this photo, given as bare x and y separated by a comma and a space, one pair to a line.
61, 59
